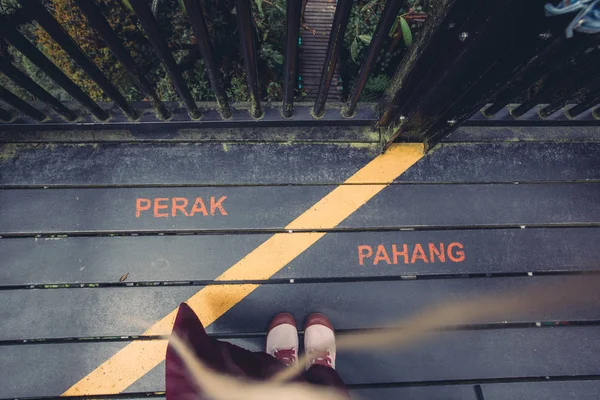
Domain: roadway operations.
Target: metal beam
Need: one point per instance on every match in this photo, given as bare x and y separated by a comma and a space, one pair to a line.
194, 11
485, 72
388, 16
151, 126
476, 60
591, 99
441, 40
336, 39
246, 28
561, 84
554, 59
290, 68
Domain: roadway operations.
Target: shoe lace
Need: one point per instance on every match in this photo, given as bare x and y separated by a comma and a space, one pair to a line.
287, 356
322, 359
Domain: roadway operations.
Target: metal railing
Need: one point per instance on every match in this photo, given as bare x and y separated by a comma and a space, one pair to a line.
502, 61
481, 54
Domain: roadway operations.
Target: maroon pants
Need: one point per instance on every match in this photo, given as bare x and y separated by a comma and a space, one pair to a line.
229, 359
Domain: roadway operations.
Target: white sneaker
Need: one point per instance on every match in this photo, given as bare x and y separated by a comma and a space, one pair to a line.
282, 339
319, 340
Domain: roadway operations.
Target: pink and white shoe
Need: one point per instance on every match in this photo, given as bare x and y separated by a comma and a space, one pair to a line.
319, 340
282, 339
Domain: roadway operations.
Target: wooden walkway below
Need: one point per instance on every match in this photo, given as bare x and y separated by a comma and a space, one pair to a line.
318, 16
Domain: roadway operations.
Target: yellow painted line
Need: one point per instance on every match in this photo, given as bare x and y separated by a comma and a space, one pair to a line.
211, 302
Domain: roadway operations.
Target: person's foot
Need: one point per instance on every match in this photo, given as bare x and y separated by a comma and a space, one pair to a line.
282, 338
319, 341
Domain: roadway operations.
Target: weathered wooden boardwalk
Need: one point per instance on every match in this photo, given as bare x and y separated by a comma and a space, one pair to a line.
96, 237
319, 17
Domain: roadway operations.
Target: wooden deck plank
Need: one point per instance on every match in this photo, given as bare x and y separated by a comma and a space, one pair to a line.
50, 313
352, 305
554, 134
457, 392
237, 164
506, 162
59, 211
106, 259
30, 370
48, 370
183, 163
437, 392
578, 390
172, 134
480, 355
246, 207
480, 205
203, 257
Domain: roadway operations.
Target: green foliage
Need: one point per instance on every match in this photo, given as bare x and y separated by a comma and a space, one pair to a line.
273, 58
406, 32
366, 38
274, 91
374, 86
8, 7
377, 83
354, 50
238, 90
200, 88
259, 8
127, 5
361, 28
37, 75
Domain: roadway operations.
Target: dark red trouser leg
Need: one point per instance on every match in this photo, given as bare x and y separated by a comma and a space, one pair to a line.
220, 356
226, 358
326, 376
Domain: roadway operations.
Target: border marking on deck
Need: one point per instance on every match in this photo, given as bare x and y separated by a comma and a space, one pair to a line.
137, 358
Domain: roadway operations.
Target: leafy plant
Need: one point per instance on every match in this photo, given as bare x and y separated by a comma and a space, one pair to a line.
274, 91
374, 87
363, 20
238, 90
361, 28
406, 33
8, 7
404, 30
